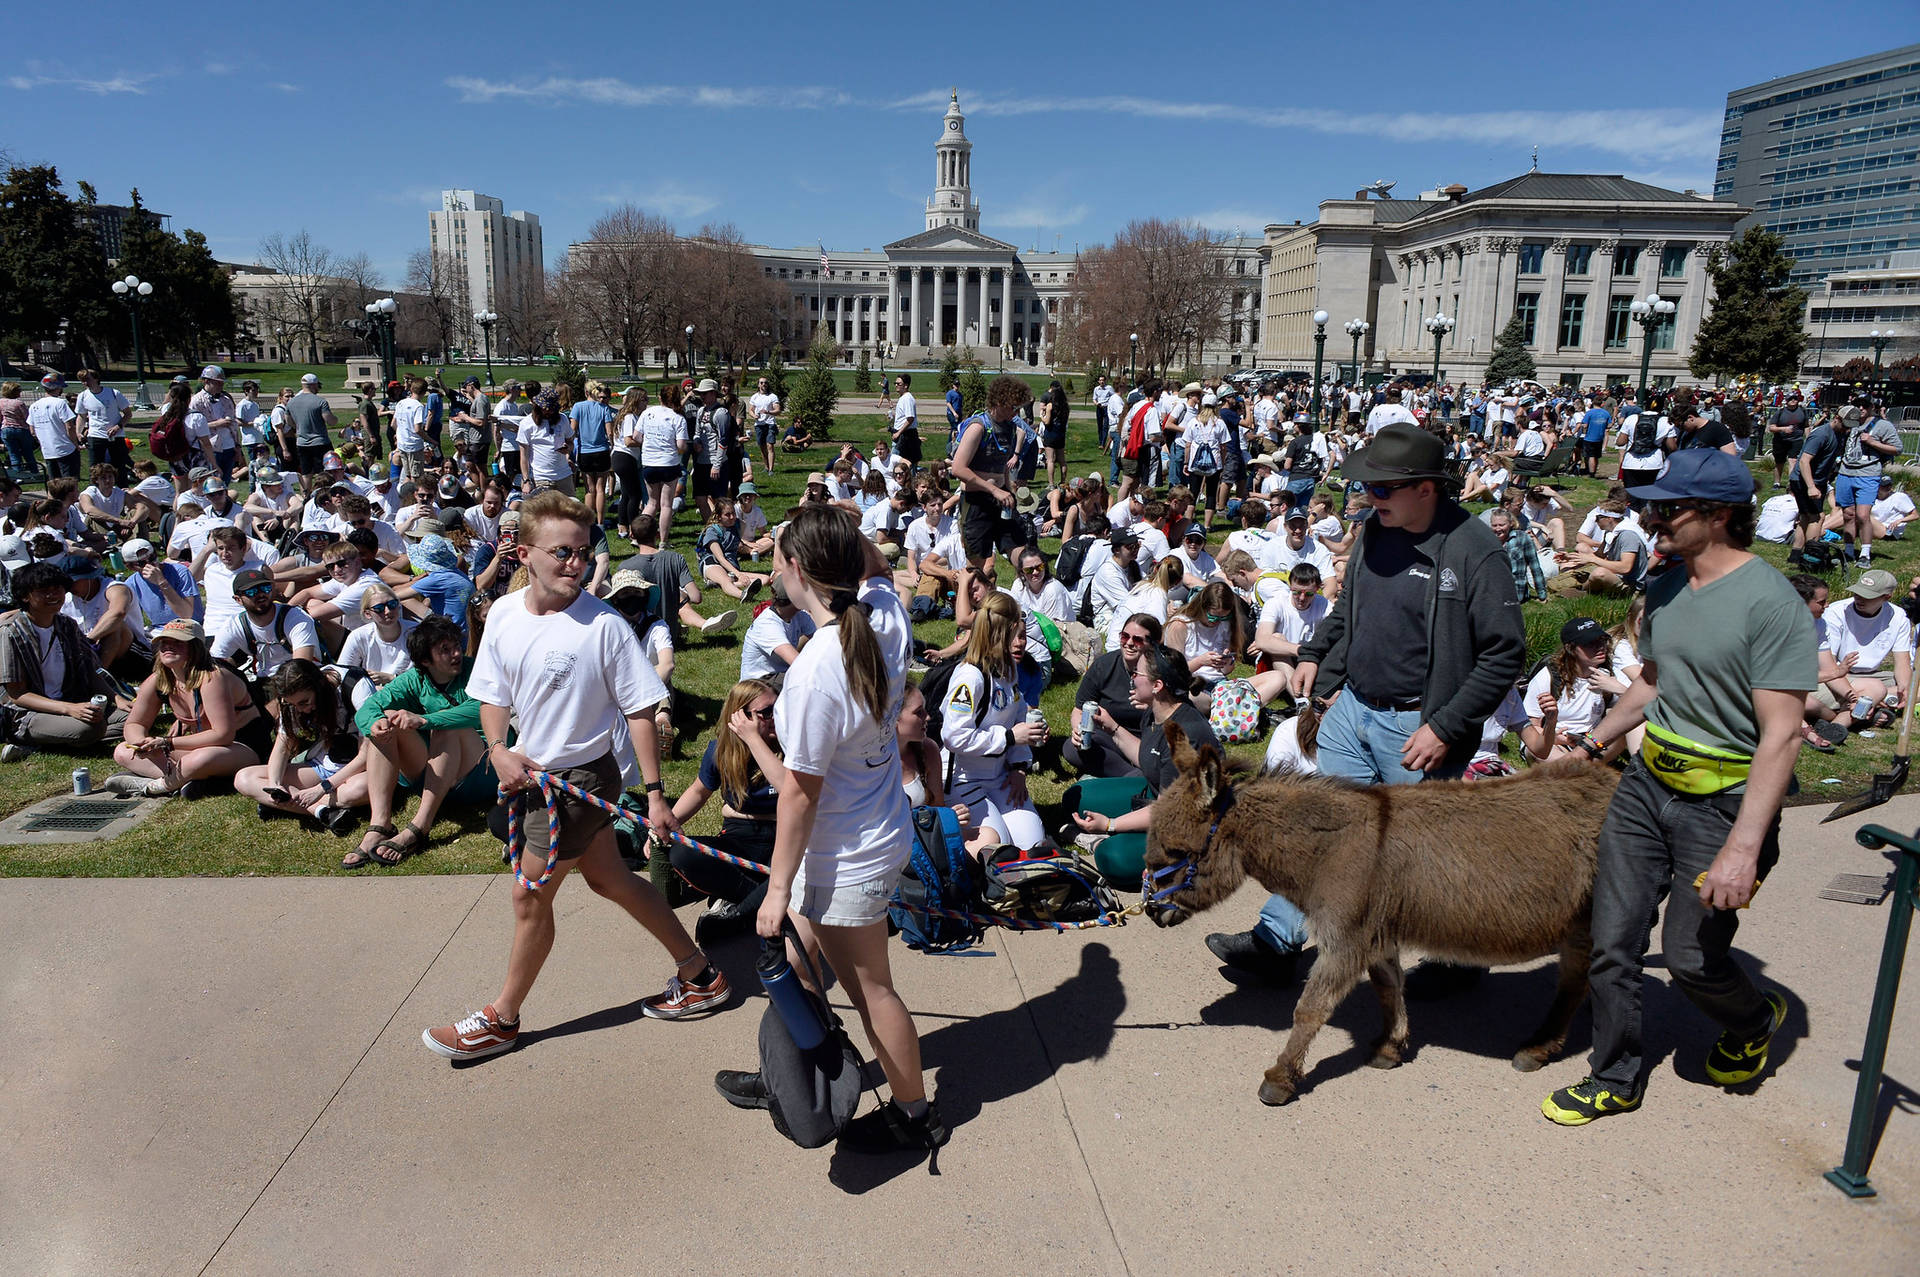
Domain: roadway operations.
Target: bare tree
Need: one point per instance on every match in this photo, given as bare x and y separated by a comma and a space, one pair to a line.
620, 285
300, 299
527, 317
356, 282
727, 295
1158, 279
435, 278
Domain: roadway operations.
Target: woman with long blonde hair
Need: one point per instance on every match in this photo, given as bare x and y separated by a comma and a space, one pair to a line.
742, 764
217, 728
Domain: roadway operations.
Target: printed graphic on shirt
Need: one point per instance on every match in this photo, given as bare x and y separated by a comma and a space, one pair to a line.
963, 698
1448, 581
558, 668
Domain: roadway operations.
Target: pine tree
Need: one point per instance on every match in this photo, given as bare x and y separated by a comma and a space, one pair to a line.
777, 375
51, 267
863, 373
1510, 358
814, 391
1754, 329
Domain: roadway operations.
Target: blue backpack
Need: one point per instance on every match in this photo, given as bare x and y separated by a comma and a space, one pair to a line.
939, 874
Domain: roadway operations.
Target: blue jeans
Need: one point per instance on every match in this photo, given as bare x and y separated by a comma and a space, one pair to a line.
20, 448
1654, 843
1362, 744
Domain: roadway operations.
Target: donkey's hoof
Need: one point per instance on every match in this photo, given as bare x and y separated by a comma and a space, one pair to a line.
1529, 1061
1387, 1054
1273, 1094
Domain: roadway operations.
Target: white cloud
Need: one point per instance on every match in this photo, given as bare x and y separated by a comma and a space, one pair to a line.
670, 199
606, 91
118, 84
1043, 214
411, 196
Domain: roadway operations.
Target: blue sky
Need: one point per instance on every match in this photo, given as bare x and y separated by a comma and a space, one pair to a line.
816, 123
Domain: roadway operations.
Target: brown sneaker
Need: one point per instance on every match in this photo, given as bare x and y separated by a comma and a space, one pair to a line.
684, 998
475, 1038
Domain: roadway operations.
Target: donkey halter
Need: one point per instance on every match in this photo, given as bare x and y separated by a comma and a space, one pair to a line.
1187, 866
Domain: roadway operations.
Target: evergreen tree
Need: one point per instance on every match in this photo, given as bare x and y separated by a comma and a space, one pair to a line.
949, 368
1510, 357
1754, 329
777, 374
195, 313
51, 267
814, 391
863, 373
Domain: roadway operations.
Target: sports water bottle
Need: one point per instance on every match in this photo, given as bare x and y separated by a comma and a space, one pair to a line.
800, 1012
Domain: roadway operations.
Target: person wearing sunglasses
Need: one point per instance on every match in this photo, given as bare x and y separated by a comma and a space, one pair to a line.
629, 595
743, 765
1729, 652
379, 650
264, 634
1108, 684
1423, 641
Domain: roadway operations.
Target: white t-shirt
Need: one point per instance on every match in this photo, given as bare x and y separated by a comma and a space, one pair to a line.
1150, 599
1894, 510
349, 598
248, 411
1580, 702
546, 443
192, 535
1876, 638
1052, 602
571, 679
1278, 556
663, 433
53, 657
1284, 749
765, 407
1205, 640
1253, 541
49, 416
1777, 518
365, 649
103, 412
155, 489
116, 504
863, 825
1290, 623
879, 518
1652, 459
905, 413
923, 535
630, 435
483, 526
216, 587
409, 418
269, 653
767, 633
1387, 414
1110, 593
507, 416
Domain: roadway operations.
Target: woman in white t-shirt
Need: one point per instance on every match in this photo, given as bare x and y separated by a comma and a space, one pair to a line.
1150, 596
1571, 692
1036, 590
1205, 440
844, 825
545, 437
1296, 743
627, 436
380, 649
663, 454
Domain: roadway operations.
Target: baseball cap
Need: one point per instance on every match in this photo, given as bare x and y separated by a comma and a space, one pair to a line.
14, 553
1705, 474
183, 629
408, 491
309, 379
1875, 584
1122, 536
1194, 530
82, 567
138, 550
1583, 631
471, 381
706, 384
53, 381
248, 578
450, 489
212, 372
450, 518
1208, 399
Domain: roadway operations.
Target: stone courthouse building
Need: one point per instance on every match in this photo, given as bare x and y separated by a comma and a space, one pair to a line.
1565, 252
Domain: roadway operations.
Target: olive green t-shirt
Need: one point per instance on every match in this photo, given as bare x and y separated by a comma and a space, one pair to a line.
1713, 645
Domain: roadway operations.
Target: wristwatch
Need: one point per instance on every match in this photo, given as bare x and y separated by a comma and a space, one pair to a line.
657, 787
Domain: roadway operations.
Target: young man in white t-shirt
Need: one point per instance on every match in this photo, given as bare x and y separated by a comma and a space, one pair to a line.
569, 671
1872, 642
906, 424
410, 428
765, 407
1288, 618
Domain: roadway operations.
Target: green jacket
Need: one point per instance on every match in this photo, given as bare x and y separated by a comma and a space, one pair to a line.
446, 708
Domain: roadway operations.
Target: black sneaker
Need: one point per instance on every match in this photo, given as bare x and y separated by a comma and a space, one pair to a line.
1735, 1060
1248, 954
1431, 981
719, 923
888, 1129
1587, 1100
742, 1090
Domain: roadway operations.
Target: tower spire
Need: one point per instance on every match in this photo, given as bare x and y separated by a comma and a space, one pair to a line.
952, 203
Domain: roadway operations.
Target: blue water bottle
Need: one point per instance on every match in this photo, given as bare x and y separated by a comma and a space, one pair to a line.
800, 1011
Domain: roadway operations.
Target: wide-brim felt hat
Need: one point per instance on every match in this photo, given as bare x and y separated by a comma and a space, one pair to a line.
1398, 452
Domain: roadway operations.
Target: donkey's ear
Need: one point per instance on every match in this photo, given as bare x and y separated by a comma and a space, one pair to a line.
1209, 772
1183, 756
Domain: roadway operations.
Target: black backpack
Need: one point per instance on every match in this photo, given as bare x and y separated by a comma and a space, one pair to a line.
1073, 557
933, 690
1645, 426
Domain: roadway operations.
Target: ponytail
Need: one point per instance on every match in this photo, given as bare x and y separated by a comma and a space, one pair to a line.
860, 657
825, 544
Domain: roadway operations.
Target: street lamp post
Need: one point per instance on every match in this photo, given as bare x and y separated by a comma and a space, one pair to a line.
133, 288
689, 371
487, 319
1649, 312
1356, 329
1319, 353
380, 315
1879, 341
1133, 355
1439, 325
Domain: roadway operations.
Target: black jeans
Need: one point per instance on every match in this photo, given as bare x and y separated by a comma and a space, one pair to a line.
1098, 757
1654, 843
748, 839
632, 487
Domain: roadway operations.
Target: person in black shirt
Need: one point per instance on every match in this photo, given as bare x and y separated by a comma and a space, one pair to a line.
1697, 430
1788, 431
1161, 688
1108, 683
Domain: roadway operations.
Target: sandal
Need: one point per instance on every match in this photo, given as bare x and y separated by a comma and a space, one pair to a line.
1814, 740
361, 857
1883, 716
397, 851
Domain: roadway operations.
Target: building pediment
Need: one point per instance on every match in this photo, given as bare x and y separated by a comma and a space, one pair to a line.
943, 239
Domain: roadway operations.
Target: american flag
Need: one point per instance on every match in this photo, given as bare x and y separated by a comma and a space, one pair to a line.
826, 267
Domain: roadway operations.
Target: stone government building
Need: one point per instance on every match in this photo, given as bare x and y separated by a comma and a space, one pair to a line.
951, 285
1567, 253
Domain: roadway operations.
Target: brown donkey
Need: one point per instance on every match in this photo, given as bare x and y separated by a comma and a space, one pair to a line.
1486, 872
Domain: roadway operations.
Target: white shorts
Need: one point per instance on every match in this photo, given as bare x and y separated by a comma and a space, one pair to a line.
851, 904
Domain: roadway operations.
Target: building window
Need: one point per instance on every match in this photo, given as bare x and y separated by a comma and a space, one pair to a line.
1573, 319
1619, 322
1533, 257
1019, 305
1579, 259
1663, 331
1626, 260
1233, 333
1673, 263
1253, 333
1527, 307
1239, 268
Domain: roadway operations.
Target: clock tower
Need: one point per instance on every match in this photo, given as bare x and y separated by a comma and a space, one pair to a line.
952, 203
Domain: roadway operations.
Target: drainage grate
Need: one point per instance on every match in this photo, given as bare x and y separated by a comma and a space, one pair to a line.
1857, 889
78, 815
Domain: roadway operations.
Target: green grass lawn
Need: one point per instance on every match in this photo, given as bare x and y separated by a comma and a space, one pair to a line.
222, 836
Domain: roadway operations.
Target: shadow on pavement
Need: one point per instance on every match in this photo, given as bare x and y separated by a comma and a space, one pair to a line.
987, 1058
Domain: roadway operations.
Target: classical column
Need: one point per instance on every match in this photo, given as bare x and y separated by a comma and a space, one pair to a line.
986, 280
1552, 289
1006, 305
893, 305
913, 333
1599, 300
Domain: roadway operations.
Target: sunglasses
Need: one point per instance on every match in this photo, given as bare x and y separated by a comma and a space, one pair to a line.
391, 605
257, 591
1380, 491
1669, 509
1132, 639
764, 715
564, 554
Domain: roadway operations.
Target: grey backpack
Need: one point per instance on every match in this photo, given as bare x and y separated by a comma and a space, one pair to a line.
813, 1094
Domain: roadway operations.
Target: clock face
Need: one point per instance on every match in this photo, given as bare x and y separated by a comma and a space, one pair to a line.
954, 125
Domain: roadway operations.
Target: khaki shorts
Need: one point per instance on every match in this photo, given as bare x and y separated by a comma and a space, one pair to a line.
580, 823
1832, 702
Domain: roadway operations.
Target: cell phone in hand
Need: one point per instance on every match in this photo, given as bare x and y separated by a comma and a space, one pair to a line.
278, 794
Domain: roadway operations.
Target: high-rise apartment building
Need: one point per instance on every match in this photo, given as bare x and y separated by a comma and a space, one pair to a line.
1830, 160
495, 255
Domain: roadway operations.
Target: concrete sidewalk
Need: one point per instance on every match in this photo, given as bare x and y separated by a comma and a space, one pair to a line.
227, 1076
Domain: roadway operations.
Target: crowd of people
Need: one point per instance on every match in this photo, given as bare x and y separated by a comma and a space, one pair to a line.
423, 597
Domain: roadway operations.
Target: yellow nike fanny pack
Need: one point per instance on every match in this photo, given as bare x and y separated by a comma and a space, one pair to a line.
1689, 767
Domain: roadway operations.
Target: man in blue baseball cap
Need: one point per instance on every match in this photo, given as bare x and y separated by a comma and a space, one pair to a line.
1729, 655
